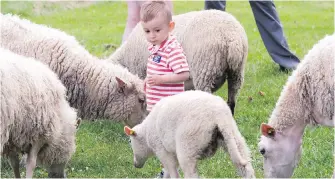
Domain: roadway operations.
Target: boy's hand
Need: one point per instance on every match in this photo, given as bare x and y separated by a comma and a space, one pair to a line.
154, 80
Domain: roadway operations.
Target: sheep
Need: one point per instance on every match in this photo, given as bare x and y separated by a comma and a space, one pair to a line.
215, 45
306, 99
186, 127
94, 87
35, 117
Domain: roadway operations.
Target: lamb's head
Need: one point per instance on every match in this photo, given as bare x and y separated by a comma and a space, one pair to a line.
139, 146
280, 150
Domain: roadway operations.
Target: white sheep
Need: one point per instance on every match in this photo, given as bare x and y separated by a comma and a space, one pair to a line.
215, 45
35, 117
186, 127
95, 87
307, 99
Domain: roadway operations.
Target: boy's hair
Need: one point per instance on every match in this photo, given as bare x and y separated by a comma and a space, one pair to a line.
150, 10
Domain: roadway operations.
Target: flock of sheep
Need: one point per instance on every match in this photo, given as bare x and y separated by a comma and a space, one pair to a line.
48, 81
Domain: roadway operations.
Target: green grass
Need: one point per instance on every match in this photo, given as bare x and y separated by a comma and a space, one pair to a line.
103, 149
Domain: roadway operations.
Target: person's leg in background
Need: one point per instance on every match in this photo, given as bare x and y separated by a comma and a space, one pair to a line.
219, 5
133, 18
272, 34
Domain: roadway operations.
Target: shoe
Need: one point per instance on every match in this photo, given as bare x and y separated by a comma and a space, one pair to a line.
160, 174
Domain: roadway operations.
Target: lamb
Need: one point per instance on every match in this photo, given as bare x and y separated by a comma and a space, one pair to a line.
186, 127
215, 45
35, 117
94, 87
307, 99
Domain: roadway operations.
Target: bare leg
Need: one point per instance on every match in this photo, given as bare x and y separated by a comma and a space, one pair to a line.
31, 160
15, 163
132, 19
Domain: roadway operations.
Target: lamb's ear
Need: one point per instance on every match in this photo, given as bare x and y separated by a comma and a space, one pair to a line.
267, 130
121, 85
129, 131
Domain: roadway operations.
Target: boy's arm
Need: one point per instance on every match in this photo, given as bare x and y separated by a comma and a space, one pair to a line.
172, 78
178, 64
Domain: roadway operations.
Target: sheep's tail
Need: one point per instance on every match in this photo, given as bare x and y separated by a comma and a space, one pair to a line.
230, 142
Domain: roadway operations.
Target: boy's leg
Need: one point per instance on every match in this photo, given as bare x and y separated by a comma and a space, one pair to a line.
218, 5
271, 31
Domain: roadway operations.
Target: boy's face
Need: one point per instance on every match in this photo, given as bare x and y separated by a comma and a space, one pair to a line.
157, 30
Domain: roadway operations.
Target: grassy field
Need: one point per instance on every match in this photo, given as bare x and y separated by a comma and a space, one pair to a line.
102, 148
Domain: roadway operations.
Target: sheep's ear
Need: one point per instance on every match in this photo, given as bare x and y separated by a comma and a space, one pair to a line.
129, 131
121, 85
267, 130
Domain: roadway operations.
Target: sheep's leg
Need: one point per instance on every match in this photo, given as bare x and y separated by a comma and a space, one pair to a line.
170, 164
235, 80
15, 163
32, 158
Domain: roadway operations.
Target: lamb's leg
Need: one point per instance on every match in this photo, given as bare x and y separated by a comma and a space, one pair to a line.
189, 167
188, 158
32, 158
170, 164
15, 163
235, 80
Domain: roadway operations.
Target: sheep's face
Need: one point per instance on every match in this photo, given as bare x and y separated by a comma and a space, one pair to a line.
139, 111
56, 171
132, 103
281, 153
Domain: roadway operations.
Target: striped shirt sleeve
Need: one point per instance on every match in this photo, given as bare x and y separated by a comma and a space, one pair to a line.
177, 61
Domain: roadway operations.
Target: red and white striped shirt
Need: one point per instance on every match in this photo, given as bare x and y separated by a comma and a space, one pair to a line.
168, 58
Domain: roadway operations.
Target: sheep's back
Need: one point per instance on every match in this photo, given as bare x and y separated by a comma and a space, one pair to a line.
191, 108
317, 69
31, 95
211, 32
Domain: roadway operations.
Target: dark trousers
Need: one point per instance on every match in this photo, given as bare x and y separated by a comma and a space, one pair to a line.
270, 29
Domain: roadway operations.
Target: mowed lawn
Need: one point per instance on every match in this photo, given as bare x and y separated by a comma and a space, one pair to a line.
102, 148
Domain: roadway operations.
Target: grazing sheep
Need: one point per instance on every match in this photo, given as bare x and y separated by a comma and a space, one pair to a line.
186, 127
307, 99
215, 45
35, 117
95, 87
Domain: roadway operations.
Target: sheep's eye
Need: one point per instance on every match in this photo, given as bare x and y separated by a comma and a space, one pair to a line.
140, 100
262, 151
121, 90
